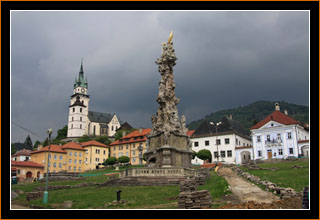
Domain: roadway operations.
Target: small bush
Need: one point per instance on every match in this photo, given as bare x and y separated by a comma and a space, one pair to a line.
110, 161
123, 159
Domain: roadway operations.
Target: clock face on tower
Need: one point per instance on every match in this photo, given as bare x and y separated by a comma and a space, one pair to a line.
82, 90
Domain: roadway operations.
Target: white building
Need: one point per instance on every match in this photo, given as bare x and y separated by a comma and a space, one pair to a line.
222, 141
81, 121
22, 155
279, 136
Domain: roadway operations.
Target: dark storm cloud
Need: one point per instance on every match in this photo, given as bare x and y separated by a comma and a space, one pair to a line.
225, 59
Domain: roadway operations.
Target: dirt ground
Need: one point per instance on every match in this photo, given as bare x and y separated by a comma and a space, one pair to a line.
246, 195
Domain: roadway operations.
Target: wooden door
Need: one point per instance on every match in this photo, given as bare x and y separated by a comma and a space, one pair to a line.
29, 174
269, 154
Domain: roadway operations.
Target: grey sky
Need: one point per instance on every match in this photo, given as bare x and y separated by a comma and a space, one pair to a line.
225, 59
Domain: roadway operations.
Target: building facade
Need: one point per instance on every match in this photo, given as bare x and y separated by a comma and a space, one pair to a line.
81, 121
74, 158
279, 136
22, 155
95, 154
222, 139
27, 170
132, 145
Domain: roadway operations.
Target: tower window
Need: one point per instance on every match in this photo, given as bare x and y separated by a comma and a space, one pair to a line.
80, 109
71, 125
80, 118
72, 109
80, 126
72, 119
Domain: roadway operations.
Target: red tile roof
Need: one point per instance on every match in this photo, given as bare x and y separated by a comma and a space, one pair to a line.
26, 164
130, 137
23, 152
72, 145
53, 148
93, 143
189, 133
276, 116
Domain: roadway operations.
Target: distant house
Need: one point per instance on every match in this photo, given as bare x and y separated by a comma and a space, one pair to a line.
279, 136
22, 155
222, 140
27, 169
125, 126
132, 145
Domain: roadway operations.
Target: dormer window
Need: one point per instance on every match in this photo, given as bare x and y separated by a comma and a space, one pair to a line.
271, 124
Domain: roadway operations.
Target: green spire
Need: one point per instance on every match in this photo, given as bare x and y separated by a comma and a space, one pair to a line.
81, 81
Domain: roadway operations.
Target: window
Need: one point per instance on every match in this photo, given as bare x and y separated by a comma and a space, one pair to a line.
69, 168
71, 125
236, 141
75, 161
279, 136
259, 153
97, 159
229, 153
98, 151
114, 148
74, 168
87, 152
227, 141
239, 143
80, 161
271, 124
196, 144
70, 160
79, 169
80, 109
86, 159
49, 156
18, 171
80, 118
133, 160
222, 153
60, 157
119, 147
54, 164
80, 126
206, 143
70, 153
80, 154
49, 164
133, 153
127, 147
127, 153
60, 165
72, 119
114, 155
104, 152
94, 130
215, 154
72, 109
55, 157
268, 137
289, 135
280, 152
218, 142
291, 150
134, 145
75, 154
258, 139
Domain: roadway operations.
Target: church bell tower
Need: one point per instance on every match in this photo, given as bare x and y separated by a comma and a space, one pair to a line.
79, 107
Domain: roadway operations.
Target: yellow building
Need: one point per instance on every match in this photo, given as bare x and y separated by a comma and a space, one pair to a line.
95, 154
132, 145
57, 158
27, 169
75, 157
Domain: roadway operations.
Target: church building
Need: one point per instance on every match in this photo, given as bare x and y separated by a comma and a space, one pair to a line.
81, 121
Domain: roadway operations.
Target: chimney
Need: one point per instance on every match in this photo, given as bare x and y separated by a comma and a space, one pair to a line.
277, 106
140, 130
286, 112
40, 146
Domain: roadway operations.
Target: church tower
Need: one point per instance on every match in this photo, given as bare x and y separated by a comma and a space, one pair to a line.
79, 107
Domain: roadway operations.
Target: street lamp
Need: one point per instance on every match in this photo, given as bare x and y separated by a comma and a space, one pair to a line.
45, 194
216, 125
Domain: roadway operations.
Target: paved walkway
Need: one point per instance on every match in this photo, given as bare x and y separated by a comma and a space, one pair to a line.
245, 190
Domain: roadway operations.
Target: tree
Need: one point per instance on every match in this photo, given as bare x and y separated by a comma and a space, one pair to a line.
118, 135
84, 138
123, 159
35, 146
62, 133
194, 154
110, 161
204, 155
28, 142
103, 139
46, 142
13, 149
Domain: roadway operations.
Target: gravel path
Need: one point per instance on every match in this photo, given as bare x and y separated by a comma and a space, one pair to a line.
245, 190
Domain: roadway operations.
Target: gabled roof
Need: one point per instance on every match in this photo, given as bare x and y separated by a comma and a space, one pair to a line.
189, 133
92, 143
26, 164
227, 126
133, 137
276, 116
72, 145
99, 117
125, 126
23, 152
53, 148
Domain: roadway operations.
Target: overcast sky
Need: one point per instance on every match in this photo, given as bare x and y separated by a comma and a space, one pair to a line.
225, 59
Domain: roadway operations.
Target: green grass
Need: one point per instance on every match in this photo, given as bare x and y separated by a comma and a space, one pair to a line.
110, 170
285, 176
137, 196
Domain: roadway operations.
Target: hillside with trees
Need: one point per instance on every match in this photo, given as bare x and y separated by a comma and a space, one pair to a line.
251, 114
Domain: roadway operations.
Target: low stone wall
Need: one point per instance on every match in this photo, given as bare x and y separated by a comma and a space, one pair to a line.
189, 198
33, 195
58, 187
157, 172
281, 191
